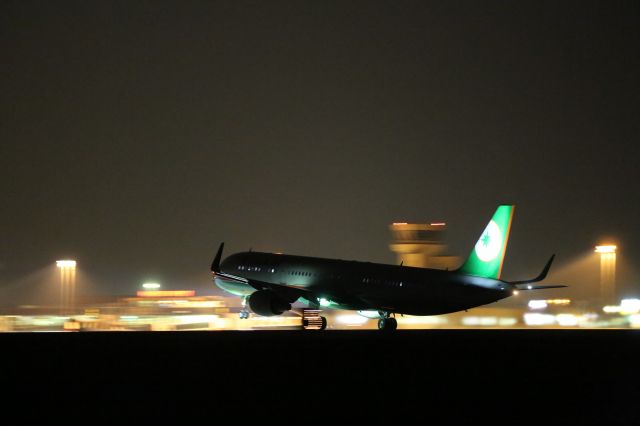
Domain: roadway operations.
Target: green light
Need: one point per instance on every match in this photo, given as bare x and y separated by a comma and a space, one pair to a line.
325, 302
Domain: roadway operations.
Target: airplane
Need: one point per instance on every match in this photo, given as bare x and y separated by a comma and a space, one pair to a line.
271, 282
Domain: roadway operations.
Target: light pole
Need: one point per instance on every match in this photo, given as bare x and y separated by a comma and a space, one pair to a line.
67, 284
607, 272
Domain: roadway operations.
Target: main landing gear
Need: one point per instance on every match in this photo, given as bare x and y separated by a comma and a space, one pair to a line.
323, 323
386, 322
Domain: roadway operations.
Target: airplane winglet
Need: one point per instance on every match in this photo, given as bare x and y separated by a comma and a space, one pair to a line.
540, 277
215, 265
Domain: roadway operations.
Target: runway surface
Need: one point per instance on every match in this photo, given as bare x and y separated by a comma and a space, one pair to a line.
590, 374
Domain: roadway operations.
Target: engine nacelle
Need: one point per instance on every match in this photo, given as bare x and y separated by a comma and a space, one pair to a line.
267, 303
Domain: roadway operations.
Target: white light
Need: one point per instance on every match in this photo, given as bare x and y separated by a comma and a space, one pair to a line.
634, 320
611, 309
516, 292
537, 304
351, 319
507, 321
529, 287
630, 306
538, 319
471, 321
484, 321
606, 249
66, 263
369, 314
151, 286
324, 302
567, 320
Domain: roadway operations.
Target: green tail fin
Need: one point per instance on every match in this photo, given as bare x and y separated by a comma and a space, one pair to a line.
488, 254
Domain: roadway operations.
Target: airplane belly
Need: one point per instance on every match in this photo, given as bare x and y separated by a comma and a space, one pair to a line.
433, 301
438, 304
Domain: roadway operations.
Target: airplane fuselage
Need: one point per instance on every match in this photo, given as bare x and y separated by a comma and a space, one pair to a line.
356, 285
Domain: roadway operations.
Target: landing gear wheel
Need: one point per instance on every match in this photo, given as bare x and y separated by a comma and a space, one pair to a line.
387, 324
324, 323
392, 323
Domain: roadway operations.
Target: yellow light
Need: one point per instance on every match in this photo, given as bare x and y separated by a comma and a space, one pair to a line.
66, 263
606, 249
399, 223
438, 224
516, 292
558, 301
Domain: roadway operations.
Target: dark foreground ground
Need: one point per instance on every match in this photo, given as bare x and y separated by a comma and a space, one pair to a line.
274, 377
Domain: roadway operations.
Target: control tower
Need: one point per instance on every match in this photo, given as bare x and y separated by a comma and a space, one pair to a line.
421, 245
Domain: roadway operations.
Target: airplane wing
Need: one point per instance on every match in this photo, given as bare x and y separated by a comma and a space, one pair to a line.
289, 293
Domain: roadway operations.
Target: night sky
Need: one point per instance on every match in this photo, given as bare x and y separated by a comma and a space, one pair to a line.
136, 136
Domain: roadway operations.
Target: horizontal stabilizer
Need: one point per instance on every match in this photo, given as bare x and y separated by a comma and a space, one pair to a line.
538, 287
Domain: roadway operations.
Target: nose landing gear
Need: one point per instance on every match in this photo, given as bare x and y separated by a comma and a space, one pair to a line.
244, 313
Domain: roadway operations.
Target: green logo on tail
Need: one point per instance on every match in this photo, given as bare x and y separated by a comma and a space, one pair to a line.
486, 258
490, 243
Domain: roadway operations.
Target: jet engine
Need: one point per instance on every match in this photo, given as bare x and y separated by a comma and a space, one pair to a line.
267, 303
